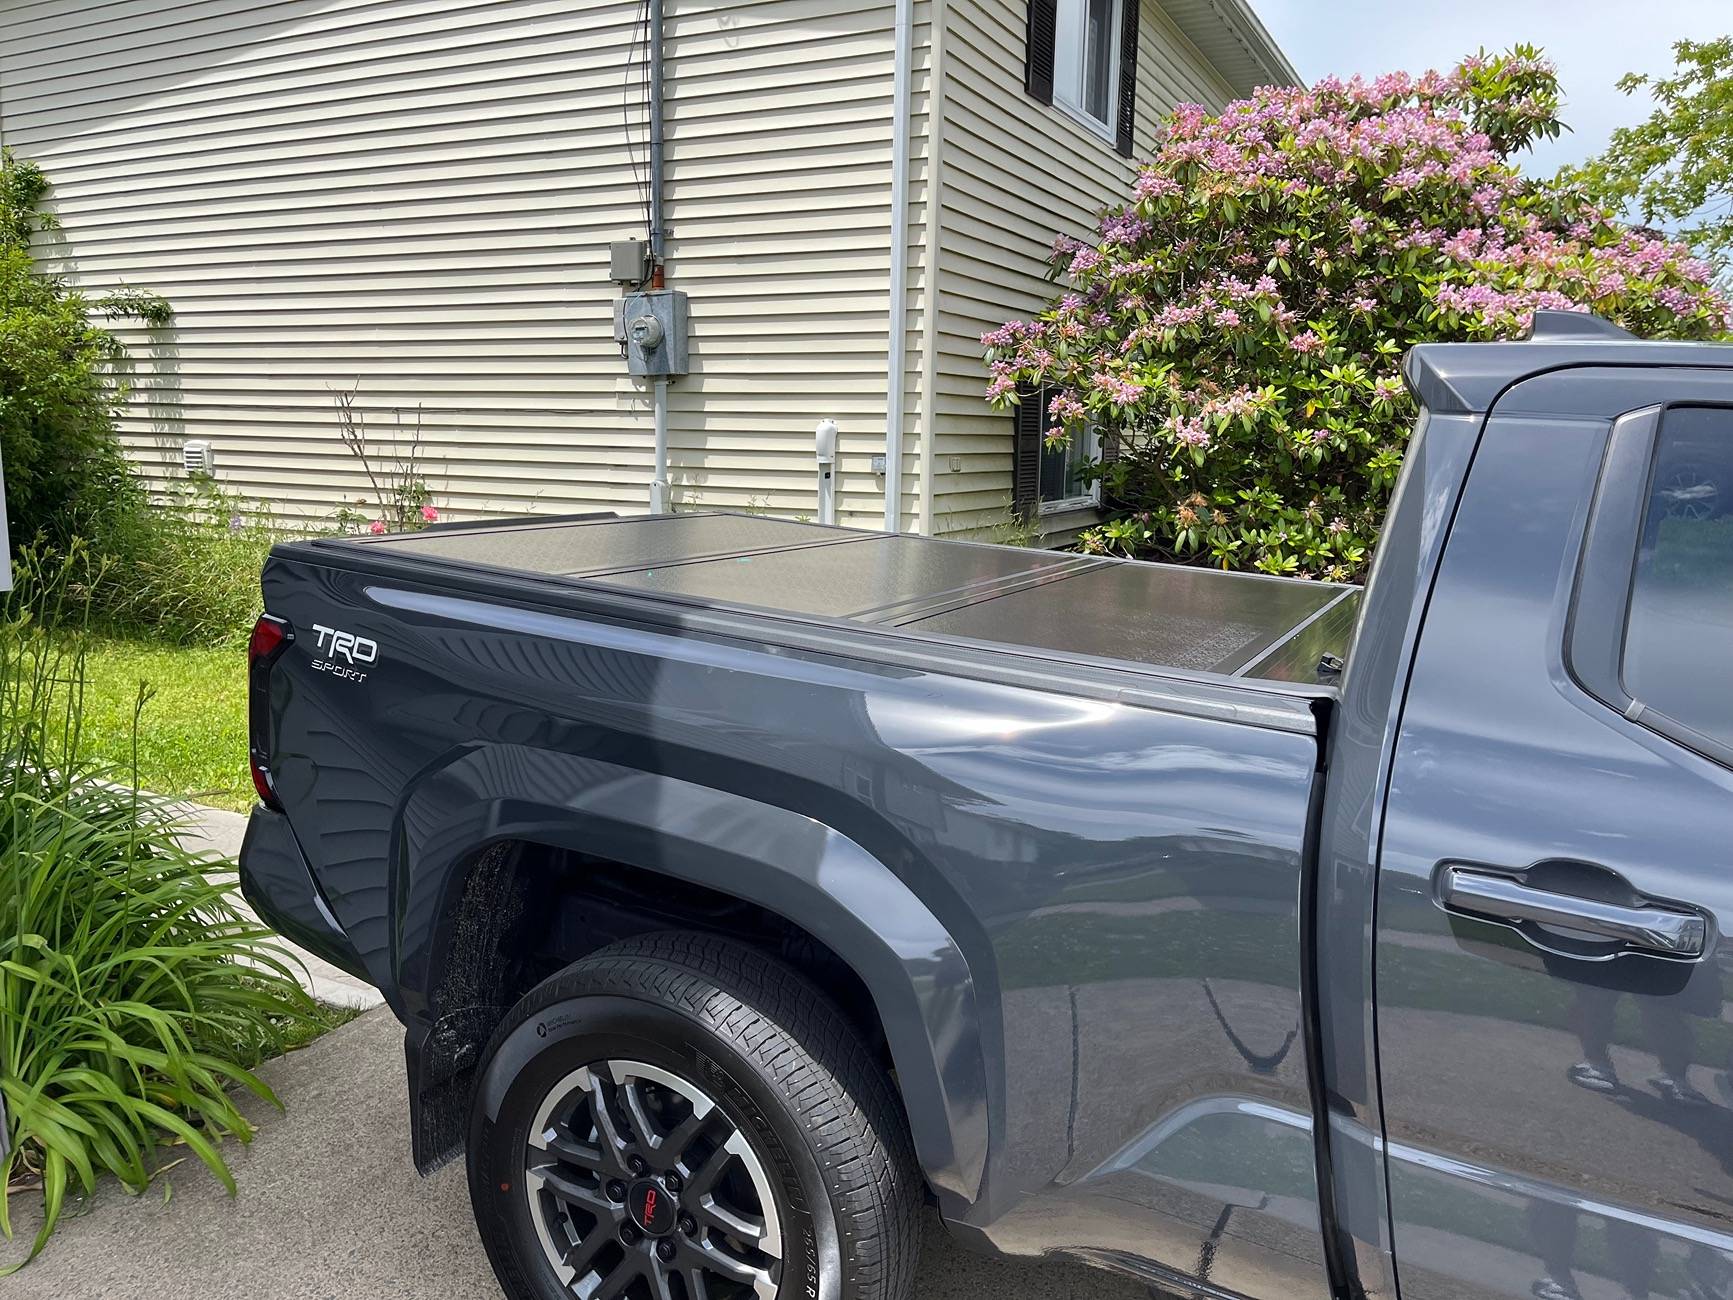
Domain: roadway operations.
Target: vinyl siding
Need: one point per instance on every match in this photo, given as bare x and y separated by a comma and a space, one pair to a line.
414, 198
1015, 174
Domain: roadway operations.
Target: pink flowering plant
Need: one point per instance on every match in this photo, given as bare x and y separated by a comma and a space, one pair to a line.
394, 468
1235, 330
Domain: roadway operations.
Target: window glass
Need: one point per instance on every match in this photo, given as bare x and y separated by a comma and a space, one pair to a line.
1098, 61
1086, 57
1063, 480
1678, 656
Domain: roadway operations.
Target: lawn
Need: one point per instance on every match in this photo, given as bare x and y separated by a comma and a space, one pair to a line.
192, 735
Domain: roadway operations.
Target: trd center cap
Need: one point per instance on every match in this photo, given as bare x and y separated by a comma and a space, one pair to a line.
653, 1207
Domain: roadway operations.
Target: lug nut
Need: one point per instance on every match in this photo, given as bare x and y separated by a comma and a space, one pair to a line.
636, 1165
664, 1251
628, 1234
616, 1191
672, 1182
688, 1225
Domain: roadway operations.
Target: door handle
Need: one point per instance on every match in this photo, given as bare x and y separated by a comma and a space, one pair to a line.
1653, 929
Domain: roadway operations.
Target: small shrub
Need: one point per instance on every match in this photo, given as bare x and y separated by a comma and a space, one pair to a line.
134, 995
395, 467
65, 473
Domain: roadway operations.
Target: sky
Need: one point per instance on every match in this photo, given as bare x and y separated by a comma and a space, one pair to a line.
1593, 42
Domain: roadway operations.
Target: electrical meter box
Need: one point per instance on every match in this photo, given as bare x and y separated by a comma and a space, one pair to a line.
651, 326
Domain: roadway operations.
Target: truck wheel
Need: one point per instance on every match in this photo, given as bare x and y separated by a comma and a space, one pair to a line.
679, 1117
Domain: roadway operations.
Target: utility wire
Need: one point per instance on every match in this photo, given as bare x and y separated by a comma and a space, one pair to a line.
638, 60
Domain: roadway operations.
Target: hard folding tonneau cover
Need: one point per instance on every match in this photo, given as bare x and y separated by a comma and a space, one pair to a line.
1075, 605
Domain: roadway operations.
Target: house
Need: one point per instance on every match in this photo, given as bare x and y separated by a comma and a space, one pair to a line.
413, 202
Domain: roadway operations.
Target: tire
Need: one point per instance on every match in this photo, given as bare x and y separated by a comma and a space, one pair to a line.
784, 1167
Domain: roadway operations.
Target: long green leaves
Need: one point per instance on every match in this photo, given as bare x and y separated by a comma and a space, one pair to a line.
134, 995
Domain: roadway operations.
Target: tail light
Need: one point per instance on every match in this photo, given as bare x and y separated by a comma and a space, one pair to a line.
271, 636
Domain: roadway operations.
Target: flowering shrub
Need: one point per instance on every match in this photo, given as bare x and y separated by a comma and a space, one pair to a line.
1235, 331
394, 468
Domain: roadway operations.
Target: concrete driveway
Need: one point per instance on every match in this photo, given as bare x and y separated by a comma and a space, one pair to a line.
330, 1209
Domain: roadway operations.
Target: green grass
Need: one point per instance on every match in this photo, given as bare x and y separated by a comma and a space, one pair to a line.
192, 737
325, 1017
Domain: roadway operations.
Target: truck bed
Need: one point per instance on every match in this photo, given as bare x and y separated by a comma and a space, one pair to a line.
1163, 616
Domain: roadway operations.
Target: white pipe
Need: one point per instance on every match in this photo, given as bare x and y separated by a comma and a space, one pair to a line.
899, 278
659, 477
824, 442
932, 241
658, 218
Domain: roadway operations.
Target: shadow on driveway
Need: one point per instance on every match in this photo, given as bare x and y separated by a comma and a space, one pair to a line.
331, 1209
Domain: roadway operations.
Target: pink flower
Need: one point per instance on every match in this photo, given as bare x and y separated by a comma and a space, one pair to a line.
429, 514
1188, 430
1085, 260
376, 527
1122, 390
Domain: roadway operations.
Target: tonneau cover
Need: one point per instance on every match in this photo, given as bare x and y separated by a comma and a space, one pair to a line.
1160, 615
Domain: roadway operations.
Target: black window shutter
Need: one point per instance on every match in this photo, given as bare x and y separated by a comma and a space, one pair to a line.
1126, 123
1110, 451
1026, 442
1038, 49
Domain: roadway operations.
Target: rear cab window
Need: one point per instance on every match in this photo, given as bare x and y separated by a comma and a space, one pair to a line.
1652, 623
1678, 644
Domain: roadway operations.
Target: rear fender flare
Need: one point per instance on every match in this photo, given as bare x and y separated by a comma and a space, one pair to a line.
787, 863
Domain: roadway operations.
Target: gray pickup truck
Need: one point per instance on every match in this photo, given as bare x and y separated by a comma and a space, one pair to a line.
744, 885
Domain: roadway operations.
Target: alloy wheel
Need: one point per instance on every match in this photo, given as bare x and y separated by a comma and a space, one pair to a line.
641, 1188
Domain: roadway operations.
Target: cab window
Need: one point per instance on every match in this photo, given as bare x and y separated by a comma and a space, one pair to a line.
1678, 644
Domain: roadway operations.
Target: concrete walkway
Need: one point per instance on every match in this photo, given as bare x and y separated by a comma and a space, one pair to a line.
331, 1209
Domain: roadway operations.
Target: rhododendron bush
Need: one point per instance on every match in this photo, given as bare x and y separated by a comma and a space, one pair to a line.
1235, 331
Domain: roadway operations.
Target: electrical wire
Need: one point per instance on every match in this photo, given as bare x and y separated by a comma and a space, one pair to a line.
639, 45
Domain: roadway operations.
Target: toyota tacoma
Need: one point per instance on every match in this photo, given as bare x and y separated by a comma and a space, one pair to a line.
745, 886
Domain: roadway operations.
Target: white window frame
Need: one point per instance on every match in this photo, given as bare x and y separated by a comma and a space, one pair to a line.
1070, 62
1088, 440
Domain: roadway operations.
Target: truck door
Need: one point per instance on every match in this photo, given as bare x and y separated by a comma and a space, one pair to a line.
1556, 874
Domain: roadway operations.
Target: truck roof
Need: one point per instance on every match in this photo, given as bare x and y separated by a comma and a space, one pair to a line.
1466, 378
1089, 607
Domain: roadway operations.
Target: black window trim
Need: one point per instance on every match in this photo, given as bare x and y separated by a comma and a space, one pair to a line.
1607, 574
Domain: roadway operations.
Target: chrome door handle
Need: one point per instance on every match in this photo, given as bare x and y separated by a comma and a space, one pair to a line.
1649, 929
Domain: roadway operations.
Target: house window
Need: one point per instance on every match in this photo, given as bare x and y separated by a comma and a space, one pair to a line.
1086, 58
1081, 56
1064, 483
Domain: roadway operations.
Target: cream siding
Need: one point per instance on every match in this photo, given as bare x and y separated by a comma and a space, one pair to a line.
1015, 174
417, 195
